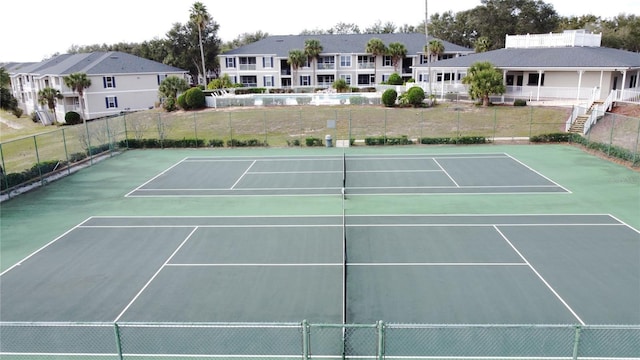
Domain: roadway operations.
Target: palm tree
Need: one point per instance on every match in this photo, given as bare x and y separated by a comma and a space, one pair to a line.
48, 96
375, 47
312, 49
296, 60
200, 18
172, 85
435, 48
397, 51
482, 44
77, 82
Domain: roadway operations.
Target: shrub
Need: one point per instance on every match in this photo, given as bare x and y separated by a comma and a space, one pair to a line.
194, 98
389, 97
415, 96
356, 100
34, 116
520, 102
395, 79
17, 112
169, 104
182, 102
340, 85
312, 141
216, 143
72, 118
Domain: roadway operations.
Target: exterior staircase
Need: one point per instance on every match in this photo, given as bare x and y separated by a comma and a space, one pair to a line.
577, 126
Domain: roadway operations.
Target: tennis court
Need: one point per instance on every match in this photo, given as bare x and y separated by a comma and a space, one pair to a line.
255, 254
367, 175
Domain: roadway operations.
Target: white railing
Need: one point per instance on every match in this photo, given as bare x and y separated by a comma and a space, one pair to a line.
568, 38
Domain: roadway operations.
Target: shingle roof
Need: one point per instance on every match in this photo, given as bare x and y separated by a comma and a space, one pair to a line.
280, 45
98, 63
541, 58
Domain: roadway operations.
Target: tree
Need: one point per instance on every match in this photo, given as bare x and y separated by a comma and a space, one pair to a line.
296, 60
484, 80
341, 85
312, 50
434, 48
169, 89
5, 80
48, 96
397, 51
172, 85
375, 47
482, 44
200, 18
78, 82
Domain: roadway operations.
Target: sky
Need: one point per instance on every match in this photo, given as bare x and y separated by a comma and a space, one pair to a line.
32, 30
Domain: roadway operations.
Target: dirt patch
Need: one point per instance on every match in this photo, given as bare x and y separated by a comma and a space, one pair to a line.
625, 109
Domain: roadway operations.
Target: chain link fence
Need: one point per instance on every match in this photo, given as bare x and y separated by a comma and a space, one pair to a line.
303, 340
36, 159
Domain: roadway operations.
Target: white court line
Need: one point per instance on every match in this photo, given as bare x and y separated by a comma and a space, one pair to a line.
296, 172
539, 174
540, 277
243, 174
44, 247
155, 177
446, 173
438, 264
155, 275
255, 264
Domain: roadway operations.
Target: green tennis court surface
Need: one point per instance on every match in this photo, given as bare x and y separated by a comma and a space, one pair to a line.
367, 174
253, 254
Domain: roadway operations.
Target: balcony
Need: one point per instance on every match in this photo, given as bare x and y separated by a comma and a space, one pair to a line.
247, 67
366, 65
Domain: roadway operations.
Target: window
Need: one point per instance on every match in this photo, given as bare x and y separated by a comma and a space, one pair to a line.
633, 81
247, 63
111, 102
325, 80
387, 61
109, 81
345, 61
269, 81
326, 62
249, 80
365, 62
161, 78
533, 79
230, 62
346, 78
305, 80
267, 62
365, 79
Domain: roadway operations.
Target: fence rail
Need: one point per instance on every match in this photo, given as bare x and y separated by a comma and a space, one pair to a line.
304, 340
35, 158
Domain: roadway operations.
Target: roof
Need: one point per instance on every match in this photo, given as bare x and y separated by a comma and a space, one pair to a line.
97, 63
280, 45
542, 58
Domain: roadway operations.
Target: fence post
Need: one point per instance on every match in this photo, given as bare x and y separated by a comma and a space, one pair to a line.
2, 172
230, 130
86, 127
380, 354
264, 123
613, 126
126, 135
635, 149
576, 342
116, 329
195, 129
66, 152
35, 144
305, 340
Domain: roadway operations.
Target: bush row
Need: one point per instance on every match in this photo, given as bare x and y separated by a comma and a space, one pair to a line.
8, 181
188, 143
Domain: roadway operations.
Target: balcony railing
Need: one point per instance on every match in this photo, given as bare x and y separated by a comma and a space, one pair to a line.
247, 66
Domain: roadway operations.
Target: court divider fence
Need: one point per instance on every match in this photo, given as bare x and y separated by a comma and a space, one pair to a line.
306, 340
35, 159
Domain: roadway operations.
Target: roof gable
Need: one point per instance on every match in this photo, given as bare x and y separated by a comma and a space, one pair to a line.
541, 58
280, 45
98, 63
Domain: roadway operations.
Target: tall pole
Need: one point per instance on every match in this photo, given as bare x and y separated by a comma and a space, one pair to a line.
426, 33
